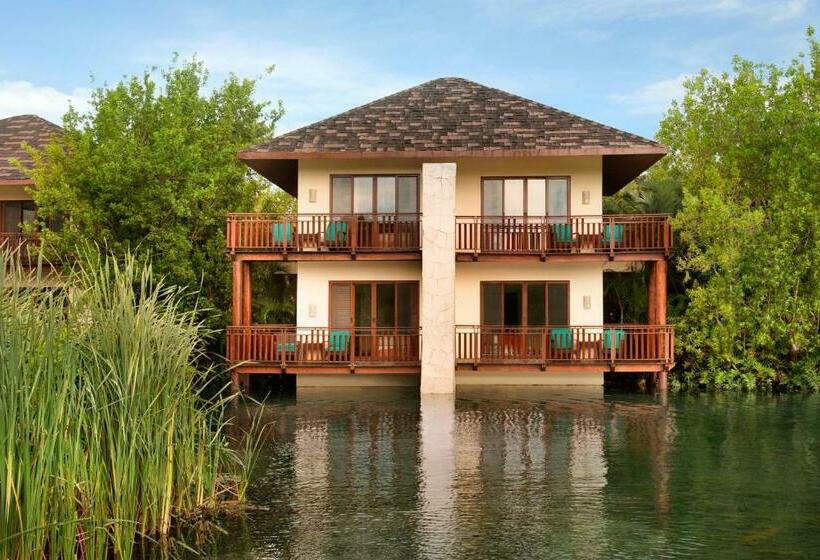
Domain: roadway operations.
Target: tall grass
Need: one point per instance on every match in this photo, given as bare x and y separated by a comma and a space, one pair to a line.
105, 436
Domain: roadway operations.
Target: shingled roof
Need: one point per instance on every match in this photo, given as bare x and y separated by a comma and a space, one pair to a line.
454, 117
14, 131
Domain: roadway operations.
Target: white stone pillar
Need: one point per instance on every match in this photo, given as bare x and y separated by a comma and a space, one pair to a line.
438, 278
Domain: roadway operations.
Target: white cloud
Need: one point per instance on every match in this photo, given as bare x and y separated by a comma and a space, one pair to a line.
21, 97
552, 12
313, 82
654, 98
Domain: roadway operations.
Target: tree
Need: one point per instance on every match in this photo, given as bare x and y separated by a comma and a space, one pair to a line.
744, 147
152, 167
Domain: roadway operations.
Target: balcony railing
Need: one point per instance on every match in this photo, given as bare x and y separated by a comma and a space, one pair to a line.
557, 235
324, 232
287, 345
605, 345
22, 244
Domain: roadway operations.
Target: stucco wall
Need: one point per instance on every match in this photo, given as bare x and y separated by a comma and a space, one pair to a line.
313, 283
584, 173
585, 279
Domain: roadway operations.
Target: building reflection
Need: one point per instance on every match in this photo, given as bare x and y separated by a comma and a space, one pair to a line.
443, 477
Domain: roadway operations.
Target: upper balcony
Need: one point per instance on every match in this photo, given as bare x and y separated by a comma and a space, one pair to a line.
563, 238
312, 237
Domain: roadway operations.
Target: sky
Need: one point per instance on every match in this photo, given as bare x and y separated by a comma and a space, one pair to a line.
619, 62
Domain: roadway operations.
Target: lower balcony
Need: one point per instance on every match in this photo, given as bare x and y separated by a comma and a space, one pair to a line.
22, 244
325, 237
301, 350
290, 349
620, 347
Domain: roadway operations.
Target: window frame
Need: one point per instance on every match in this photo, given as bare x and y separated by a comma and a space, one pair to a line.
527, 179
524, 288
351, 284
374, 193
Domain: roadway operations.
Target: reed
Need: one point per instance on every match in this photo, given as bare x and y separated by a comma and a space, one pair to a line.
105, 435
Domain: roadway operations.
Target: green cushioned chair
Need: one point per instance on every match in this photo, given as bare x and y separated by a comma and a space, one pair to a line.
613, 338
336, 232
617, 232
286, 347
338, 340
561, 338
282, 233
562, 232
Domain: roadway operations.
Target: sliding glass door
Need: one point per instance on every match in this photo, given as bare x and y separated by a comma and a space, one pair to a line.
513, 315
383, 316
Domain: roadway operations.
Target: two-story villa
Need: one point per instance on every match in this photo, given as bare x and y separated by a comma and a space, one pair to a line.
16, 206
451, 234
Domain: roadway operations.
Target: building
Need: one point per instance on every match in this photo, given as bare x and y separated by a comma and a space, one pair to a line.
449, 234
16, 205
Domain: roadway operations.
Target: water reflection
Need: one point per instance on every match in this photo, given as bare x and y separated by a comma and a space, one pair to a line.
522, 472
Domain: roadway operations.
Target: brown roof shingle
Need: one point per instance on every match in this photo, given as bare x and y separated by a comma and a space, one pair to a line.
14, 131
453, 116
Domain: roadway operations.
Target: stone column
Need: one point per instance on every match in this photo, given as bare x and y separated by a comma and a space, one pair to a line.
438, 278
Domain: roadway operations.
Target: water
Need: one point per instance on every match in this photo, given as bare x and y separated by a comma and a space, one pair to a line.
534, 473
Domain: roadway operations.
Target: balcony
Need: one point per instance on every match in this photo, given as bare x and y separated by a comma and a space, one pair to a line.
21, 244
570, 238
290, 349
618, 347
325, 236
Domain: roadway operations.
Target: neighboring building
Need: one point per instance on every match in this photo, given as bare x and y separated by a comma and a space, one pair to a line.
16, 205
451, 234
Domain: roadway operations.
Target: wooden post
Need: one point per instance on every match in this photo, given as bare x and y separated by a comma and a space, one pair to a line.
247, 293
651, 300
236, 312
660, 292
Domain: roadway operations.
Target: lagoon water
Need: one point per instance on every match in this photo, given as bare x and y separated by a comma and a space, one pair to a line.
533, 473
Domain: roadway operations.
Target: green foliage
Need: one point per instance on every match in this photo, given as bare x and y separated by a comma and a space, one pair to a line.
744, 146
153, 166
105, 430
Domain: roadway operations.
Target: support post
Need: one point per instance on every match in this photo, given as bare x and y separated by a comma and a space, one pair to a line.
651, 300
247, 293
438, 273
236, 314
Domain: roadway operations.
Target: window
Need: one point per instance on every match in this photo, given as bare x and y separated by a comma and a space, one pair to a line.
524, 304
374, 304
16, 212
374, 194
525, 196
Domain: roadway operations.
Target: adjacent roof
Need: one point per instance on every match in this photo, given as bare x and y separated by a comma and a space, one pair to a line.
454, 117
14, 132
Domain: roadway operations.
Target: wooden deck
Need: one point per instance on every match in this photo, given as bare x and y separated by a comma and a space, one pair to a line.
571, 238
304, 350
290, 349
326, 236
618, 347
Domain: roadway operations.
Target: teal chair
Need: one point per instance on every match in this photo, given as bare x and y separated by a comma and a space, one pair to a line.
336, 232
616, 231
287, 347
562, 232
561, 338
613, 338
282, 233
337, 340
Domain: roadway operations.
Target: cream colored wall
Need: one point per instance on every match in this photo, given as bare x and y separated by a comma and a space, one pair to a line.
313, 283
584, 173
14, 192
585, 279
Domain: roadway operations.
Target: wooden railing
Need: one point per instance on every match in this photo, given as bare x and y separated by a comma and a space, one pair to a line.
606, 344
22, 244
324, 232
551, 235
289, 345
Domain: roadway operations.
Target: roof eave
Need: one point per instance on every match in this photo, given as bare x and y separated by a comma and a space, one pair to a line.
249, 155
